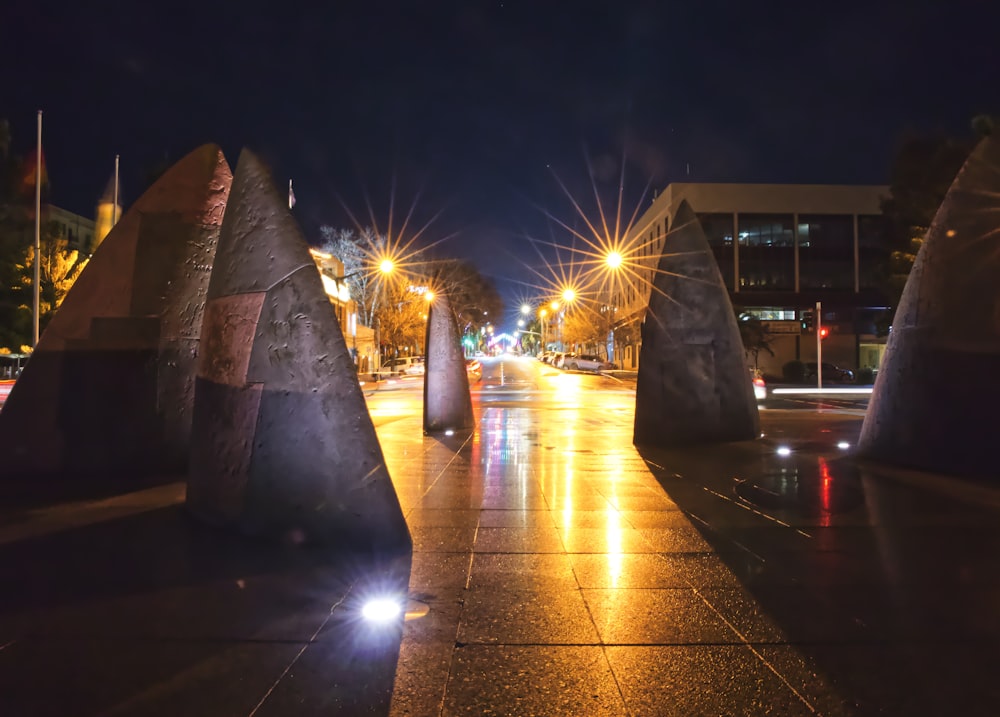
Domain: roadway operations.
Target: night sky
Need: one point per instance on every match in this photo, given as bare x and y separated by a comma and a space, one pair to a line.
473, 112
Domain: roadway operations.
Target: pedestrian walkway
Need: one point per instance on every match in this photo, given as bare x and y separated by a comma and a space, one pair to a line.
556, 571
566, 574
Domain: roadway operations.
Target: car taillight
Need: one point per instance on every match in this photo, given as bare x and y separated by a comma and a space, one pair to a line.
758, 382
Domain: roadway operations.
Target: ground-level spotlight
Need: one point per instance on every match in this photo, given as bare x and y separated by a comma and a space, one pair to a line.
784, 451
449, 432
381, 610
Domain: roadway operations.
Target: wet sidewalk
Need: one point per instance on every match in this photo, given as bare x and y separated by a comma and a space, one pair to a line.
566, 574
561, 573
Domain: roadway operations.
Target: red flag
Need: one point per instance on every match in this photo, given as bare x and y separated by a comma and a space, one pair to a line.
30, 170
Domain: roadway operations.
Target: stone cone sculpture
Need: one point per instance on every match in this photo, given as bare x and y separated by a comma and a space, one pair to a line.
283, 442
935, 399
447, 401
109, 391
693, 384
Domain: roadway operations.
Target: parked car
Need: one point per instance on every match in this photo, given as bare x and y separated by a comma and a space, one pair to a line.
831, 373
404, 366
474, 369
586, 362
557, 359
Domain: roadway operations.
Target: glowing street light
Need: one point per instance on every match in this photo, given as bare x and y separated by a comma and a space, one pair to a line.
569, 296
525, 309
613, 260
386, 266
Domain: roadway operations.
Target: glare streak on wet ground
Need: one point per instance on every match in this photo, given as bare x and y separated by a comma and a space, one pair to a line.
567, 574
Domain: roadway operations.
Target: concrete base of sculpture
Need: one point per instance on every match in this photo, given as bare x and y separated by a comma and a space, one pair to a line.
283, 444
693, 384
447, 401
107, 396
933, 405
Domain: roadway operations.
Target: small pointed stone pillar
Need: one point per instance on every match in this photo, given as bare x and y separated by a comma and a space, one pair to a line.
447, 401
693, 384
107, 396
935, 399
283, 442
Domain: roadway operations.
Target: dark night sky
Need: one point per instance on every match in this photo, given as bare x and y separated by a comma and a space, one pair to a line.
474, 107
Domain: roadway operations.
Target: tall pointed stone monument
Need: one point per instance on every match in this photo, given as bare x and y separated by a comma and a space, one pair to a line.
107, 396
935, 399
283, 442
447, 401
693, 384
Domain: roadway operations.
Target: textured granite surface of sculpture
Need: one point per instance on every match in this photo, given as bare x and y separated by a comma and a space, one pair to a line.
447, 401
693, 384
283, 441
935, 399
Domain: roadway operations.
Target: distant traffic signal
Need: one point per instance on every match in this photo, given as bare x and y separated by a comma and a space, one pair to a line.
824, 332
807, 320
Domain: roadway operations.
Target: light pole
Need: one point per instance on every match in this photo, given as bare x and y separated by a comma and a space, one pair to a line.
36, 295
472, 316
613, 260
519, 332
386, 267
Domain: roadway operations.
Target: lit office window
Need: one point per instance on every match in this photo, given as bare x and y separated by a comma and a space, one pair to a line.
767, 252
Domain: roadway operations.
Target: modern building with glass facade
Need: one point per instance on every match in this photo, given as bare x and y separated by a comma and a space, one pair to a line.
781, 248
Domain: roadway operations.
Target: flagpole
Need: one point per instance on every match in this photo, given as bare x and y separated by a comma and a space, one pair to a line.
114, 207
38, 234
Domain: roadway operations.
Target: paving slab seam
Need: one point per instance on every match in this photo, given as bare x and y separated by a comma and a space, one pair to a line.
454, 457
743, 639
298, 655
590, 613
746, 506
777, 673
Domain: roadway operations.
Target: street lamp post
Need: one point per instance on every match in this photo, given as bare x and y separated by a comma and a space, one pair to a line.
613, 260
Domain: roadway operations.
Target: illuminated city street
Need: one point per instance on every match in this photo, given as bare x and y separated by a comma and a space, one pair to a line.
565, 573
509, 359
556, 571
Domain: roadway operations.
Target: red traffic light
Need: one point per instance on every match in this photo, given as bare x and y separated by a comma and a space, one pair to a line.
824, 332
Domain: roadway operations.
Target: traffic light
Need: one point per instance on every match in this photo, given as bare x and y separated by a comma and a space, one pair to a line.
823, 332
807, 320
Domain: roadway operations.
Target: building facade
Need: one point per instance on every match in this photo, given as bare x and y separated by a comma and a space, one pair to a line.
360, 339
77, 231
781, 248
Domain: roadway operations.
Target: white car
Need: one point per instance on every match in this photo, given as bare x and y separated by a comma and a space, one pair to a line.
586, 362
404, 366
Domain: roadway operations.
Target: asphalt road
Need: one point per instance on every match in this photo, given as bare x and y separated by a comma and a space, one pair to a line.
513, 378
